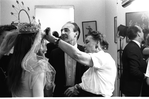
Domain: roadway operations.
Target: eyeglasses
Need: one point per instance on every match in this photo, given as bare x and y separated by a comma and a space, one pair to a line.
65, 30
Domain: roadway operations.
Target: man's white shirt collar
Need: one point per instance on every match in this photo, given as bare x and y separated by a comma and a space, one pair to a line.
137, 43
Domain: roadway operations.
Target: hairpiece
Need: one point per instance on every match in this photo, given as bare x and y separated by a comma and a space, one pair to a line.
25, 28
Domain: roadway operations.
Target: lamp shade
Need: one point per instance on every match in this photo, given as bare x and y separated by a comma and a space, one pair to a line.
122, 30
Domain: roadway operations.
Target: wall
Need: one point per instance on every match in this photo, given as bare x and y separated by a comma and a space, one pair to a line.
85, 10
110, 13
103, 11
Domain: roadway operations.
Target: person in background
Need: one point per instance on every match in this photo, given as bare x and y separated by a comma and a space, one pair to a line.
29, 72
5, 56
99, 79
134, 66
145, 87
146, 41
68, 71
50, 46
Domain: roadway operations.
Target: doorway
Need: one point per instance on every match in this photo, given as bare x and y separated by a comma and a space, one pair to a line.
54, 16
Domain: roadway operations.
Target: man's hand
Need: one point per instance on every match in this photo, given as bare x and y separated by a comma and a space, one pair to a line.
47, 30
71, 91
49, 35
147, 80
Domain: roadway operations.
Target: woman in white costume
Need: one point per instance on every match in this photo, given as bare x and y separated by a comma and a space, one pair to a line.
29, 72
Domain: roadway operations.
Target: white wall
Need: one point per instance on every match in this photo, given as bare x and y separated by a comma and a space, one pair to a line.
57, 16
110, 13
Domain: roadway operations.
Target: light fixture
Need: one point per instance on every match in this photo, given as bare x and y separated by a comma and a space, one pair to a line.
122, 30
125, 3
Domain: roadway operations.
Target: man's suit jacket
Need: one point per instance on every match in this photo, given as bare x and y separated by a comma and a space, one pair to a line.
134, 67
58, 62
4, 64
50, 47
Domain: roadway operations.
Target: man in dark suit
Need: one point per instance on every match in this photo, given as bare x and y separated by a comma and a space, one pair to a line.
134, 66
68, 71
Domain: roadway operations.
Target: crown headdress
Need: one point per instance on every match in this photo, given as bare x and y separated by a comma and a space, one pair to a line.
24, 28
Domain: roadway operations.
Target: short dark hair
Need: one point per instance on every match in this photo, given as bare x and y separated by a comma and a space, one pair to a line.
132, 32
76, 28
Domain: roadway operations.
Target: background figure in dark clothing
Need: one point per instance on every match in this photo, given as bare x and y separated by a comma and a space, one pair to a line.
4, 61
134, 66
145, 87
50, 46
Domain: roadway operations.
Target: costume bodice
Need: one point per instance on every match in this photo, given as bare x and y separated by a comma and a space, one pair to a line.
41, 65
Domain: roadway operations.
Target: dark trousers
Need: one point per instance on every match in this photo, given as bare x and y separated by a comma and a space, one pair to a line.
83, 93
145, 89
59, 91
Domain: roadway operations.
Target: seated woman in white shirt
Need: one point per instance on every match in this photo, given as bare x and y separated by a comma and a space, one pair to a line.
100, 78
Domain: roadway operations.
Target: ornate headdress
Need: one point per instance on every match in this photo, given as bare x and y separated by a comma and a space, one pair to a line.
22, 28
30, 27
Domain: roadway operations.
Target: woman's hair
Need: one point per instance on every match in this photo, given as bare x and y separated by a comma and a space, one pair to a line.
22, 45
97, 36
6, 28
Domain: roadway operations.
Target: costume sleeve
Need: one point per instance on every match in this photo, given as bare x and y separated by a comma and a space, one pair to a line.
38, 85
98, 59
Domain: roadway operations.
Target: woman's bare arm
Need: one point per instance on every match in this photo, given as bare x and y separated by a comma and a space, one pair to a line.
38, 88
76, 54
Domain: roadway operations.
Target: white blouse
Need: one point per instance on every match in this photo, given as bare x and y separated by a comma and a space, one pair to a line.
100, 78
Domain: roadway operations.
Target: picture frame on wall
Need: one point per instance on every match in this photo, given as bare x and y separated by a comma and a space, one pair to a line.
115, 29
140, 18
88, 26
